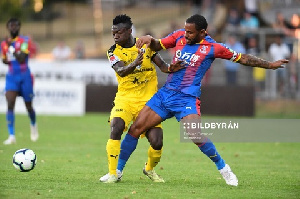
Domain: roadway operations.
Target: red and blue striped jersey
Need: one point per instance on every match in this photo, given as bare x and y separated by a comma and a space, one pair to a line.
20, 43
198, 58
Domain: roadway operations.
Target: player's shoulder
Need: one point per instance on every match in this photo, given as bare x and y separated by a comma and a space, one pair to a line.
111, 49
209, 39
177, 33
24, 38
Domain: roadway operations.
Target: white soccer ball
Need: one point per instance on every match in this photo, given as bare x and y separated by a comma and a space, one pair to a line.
24, 160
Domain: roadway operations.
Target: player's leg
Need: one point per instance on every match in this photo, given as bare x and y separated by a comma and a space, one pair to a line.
11, 97
208, 148
145, 120
28, 94
120, 117
155, 138
34, 134
204, 144
113, 147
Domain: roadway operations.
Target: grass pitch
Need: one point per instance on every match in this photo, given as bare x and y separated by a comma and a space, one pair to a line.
71, 159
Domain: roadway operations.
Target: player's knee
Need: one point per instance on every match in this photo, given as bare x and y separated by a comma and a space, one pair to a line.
10, 106
117, 130
29, 107
157, 145
136, 130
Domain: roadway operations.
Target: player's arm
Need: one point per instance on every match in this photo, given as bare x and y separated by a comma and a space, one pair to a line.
4, 59
22, 53
151, 42
167, 68
250, 60
3, 52
123, 70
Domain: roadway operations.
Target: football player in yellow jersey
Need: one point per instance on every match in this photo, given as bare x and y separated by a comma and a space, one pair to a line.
137, 83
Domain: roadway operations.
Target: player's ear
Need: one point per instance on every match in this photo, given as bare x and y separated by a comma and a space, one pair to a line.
203, 32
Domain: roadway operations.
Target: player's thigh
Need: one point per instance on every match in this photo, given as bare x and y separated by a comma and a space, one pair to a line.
189, 105
121, 110
26, 88
11, 83
146, 119
139, 106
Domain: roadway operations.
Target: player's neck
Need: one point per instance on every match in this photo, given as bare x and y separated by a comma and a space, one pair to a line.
129, 43
14, 38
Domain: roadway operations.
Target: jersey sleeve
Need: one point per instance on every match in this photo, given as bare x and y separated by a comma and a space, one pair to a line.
112, 57
25, 45
223, 52
151, 53
3, 50
170, 40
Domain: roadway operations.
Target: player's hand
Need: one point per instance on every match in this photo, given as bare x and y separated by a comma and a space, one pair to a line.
179, 64
5, 61
278, 64
143, 40
139, 59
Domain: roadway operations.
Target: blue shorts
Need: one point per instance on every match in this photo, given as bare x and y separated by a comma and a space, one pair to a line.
168, 103
21, 83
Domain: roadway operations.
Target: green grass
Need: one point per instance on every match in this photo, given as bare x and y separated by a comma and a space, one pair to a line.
72, 157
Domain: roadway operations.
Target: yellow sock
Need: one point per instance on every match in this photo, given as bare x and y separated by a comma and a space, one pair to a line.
153, 158
113, 148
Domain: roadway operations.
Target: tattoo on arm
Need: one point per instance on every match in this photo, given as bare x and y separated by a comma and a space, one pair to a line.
251, 60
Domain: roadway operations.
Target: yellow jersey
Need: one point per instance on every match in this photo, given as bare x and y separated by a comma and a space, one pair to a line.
141, 84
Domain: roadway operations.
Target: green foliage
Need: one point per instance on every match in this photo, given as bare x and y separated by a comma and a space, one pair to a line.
71, 159
16, 8
9, 8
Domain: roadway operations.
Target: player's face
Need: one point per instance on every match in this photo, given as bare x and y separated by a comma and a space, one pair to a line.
121, 34
192, 35
13, 28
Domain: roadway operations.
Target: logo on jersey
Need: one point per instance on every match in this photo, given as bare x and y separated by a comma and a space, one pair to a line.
203, 49
189, 58
113, 59
178, 53
137, 81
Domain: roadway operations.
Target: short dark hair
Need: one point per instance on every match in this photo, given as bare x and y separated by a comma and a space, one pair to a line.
13, 20
123, 19
199, 21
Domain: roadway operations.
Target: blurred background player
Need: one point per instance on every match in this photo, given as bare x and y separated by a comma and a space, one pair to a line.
137, 82
15, 53
180, 96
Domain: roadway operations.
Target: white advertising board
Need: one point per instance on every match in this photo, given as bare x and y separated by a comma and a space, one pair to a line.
97, 71
51, 98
